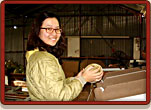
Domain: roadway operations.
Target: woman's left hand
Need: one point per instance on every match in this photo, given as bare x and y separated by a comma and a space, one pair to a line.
80, 73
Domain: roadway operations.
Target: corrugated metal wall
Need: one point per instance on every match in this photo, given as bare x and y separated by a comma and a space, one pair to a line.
108, 21
111, 20
99, 47
14, 40
104, 26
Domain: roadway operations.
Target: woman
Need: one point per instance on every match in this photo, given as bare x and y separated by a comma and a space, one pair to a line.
45, 78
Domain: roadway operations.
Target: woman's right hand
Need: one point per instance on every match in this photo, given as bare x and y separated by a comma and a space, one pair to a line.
91, 75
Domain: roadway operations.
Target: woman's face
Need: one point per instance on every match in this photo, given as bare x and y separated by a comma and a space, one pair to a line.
50, 38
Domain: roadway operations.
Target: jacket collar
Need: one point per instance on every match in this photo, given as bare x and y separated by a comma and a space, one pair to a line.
29, 53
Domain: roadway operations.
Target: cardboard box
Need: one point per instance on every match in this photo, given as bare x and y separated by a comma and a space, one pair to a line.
71, 68
121, 84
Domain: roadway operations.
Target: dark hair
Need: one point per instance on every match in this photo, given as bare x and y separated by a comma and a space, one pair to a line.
35, 42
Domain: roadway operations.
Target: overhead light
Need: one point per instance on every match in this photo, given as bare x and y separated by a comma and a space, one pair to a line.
15, 27
143, 11
143, 16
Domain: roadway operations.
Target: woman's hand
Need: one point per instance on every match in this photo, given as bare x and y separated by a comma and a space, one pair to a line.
92, 75
80, 73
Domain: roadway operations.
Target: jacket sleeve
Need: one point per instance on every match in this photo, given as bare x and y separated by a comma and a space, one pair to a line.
69, 79
51, 83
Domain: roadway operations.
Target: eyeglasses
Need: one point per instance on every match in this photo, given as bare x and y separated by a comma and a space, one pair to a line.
50, 30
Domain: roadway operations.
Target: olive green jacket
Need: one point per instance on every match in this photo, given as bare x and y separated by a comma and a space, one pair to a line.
46, 80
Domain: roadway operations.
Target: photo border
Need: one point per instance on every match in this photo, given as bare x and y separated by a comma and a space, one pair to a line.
3, 3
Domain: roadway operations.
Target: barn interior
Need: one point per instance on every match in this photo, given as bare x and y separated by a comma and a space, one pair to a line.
112, 35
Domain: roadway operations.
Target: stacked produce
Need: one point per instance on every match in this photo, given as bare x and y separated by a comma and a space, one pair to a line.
13, 67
